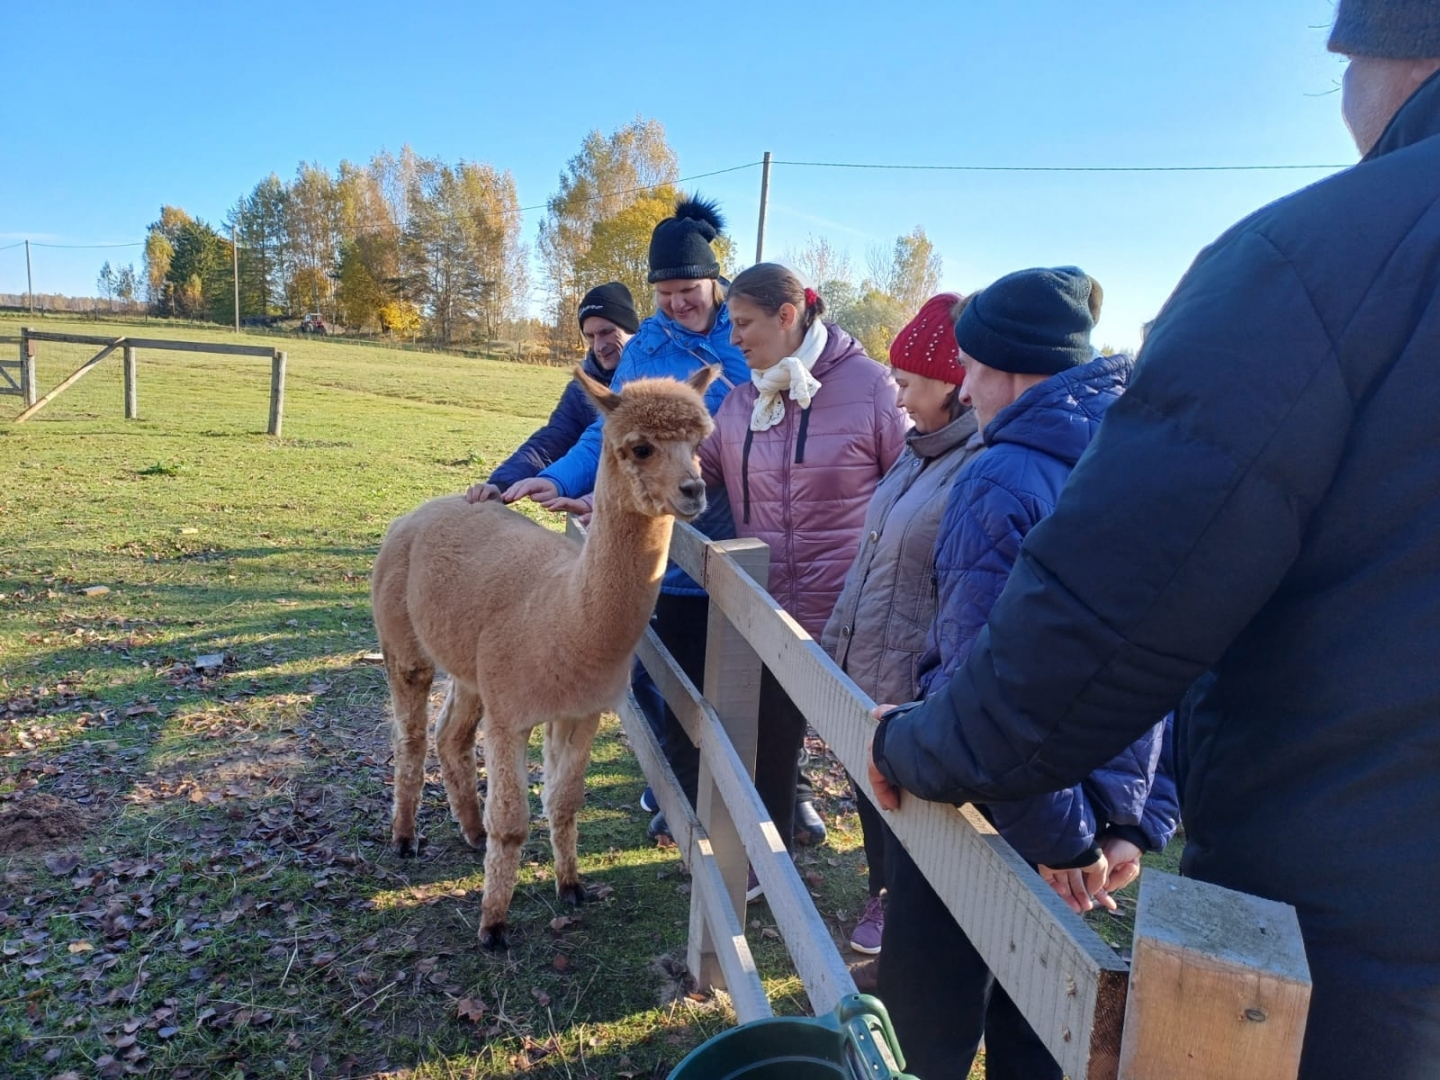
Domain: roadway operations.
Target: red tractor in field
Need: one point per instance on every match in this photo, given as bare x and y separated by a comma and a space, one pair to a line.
313, 323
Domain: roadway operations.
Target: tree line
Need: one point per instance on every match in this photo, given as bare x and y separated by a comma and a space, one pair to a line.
415, 247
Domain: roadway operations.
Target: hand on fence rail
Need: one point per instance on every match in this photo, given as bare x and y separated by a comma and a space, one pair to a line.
886, 793
1124, 860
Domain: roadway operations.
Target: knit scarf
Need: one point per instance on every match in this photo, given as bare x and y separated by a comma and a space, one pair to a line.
792, 374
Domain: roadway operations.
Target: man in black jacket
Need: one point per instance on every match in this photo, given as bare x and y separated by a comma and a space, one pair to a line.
1263, 504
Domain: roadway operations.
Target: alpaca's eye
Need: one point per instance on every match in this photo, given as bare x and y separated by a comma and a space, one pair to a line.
642, 451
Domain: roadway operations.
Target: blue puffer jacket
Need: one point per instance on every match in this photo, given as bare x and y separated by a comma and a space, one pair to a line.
663, 348
1033, 444
550, 443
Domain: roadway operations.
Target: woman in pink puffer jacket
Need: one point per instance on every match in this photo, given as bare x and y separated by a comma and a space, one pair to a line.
800, 450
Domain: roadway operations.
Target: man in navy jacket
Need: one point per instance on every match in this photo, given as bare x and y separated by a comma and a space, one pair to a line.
1263, 504
607, 322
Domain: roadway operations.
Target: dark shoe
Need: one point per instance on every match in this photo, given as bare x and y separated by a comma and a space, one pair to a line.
659, 831
648, 803
809, 826
866, 975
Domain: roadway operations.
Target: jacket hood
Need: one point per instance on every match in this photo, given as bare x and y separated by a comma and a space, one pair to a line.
594, 369
1417, 119
1060, 415
839, 345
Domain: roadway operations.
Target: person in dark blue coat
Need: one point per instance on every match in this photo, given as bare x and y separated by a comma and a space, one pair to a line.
1039, 395
1263, 505
608, 321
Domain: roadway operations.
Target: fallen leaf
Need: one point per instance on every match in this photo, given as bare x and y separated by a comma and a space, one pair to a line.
80, 946
561, 962
542, 997
471, 1008
562, 922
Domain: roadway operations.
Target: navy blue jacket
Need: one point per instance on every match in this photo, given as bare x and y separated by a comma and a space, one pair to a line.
1032, 444
550, 443
1263, 503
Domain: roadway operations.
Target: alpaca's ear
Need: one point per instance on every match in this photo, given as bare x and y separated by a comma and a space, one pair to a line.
701, 380
603, 398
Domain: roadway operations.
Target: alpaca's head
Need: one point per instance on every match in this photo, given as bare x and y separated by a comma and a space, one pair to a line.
652, 430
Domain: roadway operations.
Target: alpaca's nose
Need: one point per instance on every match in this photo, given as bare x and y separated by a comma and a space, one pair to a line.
692, 487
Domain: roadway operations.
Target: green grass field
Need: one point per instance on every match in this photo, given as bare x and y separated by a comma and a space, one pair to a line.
195, 874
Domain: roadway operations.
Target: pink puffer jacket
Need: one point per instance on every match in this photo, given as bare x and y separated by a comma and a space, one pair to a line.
803, 486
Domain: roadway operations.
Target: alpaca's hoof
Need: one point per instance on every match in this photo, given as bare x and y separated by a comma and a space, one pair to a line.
494, 938
477, 843
573, 894
407, 846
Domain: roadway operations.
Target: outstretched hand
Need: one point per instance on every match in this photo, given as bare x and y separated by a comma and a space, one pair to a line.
583, 509
541, 491
1081, 888
482, 492
1124, 860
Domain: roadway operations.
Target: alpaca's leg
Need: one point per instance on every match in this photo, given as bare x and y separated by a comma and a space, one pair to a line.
455, 745
567, 753
507, 824
410, 679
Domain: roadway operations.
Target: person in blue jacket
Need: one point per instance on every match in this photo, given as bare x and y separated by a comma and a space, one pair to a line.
1261, 505
689, 330
1039, 394
607, 322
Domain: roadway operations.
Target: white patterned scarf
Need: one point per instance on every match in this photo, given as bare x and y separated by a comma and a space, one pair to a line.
792, 374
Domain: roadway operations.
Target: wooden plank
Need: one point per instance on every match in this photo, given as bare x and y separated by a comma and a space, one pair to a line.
1219, 986
30, 389
277, 394
131, 405
688, 547
736, 962
12, 372
732, 686
164, 344
1067, 982
69, 381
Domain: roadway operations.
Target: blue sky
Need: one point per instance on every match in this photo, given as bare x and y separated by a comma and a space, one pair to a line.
127, 106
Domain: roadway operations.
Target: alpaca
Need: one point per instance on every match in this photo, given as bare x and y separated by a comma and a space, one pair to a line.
533, 629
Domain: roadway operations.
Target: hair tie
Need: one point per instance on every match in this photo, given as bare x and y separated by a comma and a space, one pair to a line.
811, 298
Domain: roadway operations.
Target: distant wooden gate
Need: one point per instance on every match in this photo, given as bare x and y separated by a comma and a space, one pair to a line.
25, 385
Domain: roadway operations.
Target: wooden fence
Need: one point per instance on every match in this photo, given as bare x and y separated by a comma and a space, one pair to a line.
28, 389
1219, 985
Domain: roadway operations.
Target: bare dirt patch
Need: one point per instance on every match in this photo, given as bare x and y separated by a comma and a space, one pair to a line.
37, 820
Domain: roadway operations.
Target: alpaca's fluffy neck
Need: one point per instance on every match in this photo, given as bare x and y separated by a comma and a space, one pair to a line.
619, 572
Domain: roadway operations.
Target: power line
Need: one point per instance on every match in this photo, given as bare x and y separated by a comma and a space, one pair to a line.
646, 187
18, 243
85, 247
1052, 168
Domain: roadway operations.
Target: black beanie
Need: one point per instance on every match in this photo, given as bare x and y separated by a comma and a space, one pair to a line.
1391, 29
1032, 322
610, 301
680, 245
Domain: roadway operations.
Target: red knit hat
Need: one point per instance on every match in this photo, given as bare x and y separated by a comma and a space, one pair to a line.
926, 346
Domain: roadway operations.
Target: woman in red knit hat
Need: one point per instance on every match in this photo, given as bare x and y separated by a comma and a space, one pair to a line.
877, 630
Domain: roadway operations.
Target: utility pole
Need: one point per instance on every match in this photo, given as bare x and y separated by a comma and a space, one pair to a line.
235, 271
29, 281
764, 203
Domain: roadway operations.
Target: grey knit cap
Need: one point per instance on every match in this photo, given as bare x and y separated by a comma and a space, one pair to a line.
1391, 29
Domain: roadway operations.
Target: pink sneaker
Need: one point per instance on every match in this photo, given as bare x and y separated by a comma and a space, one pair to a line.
865, 938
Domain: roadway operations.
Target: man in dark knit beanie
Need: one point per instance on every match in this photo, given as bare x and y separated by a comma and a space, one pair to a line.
610, 301
1021, 330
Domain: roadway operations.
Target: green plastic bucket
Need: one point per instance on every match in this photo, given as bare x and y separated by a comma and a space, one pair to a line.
855, 1042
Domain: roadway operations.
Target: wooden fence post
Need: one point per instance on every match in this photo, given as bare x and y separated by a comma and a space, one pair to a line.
131, 410
1219, 986
277, 393
28, 386
732, 686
